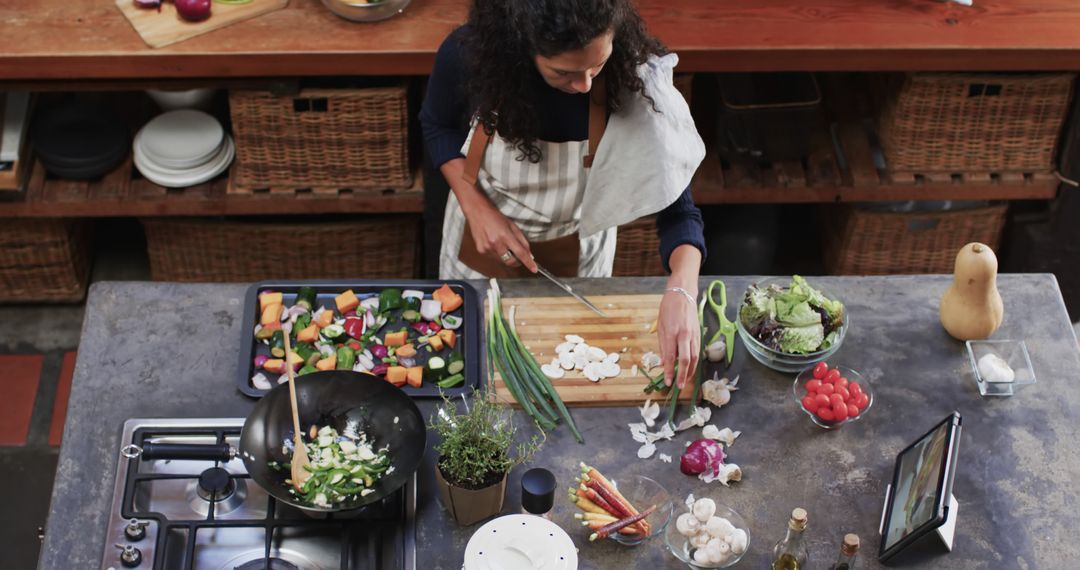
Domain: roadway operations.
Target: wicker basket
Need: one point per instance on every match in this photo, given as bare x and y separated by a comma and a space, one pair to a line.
637, 252
861, 242
956, 123
200, 250
43, 260
321, 138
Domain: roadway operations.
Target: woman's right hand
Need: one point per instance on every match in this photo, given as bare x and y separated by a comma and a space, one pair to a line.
495, 234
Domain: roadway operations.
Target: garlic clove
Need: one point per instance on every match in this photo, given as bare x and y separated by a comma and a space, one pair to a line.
573, 338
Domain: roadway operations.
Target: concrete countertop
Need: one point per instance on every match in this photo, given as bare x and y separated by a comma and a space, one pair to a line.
168, 350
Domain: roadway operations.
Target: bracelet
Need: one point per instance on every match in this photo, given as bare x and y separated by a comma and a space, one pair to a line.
689, 297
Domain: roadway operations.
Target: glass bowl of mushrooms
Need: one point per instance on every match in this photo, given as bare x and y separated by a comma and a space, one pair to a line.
708, 535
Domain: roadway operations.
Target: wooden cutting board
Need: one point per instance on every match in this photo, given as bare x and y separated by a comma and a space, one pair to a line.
543, 322
159, 29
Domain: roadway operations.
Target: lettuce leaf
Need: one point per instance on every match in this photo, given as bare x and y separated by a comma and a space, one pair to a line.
801, 340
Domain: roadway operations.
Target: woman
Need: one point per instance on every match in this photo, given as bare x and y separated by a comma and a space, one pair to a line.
554, 121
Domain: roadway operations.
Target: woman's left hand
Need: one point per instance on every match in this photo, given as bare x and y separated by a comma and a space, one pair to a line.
680, 336
677, 325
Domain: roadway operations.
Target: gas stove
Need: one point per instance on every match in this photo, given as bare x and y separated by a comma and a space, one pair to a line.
207, 515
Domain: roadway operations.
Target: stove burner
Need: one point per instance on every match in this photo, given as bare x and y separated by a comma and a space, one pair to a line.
216, 485
268, 564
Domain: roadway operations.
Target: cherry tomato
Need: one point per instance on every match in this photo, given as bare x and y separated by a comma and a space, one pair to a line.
813, 385
841, 382
837, 400
826, 389
861, 401
810, 403
844, 393
840, 412
855, 388
820, 370
822, 401
825, 413
852, 410
832, 376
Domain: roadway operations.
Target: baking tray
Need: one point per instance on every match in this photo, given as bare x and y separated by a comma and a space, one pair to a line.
468, 343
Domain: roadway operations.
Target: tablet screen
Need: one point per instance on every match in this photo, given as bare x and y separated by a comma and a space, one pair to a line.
917, 485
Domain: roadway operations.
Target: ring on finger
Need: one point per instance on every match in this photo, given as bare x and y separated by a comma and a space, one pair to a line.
507, 256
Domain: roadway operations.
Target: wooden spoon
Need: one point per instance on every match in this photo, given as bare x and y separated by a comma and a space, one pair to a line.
300, 455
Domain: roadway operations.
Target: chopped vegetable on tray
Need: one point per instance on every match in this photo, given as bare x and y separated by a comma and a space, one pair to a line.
342, 466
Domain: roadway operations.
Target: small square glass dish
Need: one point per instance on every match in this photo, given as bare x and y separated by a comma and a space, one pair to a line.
1000, 366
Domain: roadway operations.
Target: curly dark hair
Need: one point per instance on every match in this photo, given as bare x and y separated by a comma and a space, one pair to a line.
502, 37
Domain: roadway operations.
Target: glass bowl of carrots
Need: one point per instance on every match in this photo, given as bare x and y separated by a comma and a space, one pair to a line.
629, 509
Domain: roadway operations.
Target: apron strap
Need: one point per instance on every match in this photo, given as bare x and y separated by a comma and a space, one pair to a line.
475, 155
597, 125
597, 116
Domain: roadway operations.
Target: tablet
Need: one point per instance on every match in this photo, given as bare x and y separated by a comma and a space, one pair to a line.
918, 501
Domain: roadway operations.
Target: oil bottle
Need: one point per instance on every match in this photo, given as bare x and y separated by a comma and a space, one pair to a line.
848, 550
790, 553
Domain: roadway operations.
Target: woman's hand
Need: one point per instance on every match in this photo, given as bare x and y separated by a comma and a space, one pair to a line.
677, 325
493, 233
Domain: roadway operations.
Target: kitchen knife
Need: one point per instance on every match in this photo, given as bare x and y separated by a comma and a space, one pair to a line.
562, 285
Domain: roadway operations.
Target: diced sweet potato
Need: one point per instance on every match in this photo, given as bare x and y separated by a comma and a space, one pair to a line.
325, 319
449, 337
405, 351
328, 363
310, 334
296, 360
446, 296
346, 302
271, 314
274, 365
415, 376
436, 342
397, 375
267, 299
396, 339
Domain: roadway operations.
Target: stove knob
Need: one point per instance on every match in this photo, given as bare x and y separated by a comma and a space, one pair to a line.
130, 556
136, 530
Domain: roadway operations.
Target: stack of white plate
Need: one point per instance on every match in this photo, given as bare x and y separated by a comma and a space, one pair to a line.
183, 148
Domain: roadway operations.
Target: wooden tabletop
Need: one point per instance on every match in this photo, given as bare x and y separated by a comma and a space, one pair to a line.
87, 39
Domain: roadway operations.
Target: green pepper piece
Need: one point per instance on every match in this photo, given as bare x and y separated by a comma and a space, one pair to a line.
451, 381
302, 322
412, 304
346, 358
304, 350
390, 300
306, 297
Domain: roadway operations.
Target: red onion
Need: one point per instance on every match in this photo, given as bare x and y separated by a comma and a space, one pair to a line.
260, 360
421, 328
380, 369
433, 328
701, 456
378, 351
148, 3
193, 10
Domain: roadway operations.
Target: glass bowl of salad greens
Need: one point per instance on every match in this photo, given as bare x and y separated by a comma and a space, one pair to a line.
789, 324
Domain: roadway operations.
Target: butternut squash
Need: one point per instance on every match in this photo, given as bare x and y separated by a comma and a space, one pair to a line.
971, 309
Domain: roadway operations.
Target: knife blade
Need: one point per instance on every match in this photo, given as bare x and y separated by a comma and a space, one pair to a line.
565, 287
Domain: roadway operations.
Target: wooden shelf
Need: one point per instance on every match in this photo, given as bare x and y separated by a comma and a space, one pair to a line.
123, 193
72, 40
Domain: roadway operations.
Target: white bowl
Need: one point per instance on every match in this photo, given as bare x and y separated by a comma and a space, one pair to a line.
181, 139
520, 541
180, 179
177, 166
170, 100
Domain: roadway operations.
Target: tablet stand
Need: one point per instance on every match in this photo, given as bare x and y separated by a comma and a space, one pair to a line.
946, 532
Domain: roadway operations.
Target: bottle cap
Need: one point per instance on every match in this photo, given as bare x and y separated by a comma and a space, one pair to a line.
537, 491
851, 544
798, 519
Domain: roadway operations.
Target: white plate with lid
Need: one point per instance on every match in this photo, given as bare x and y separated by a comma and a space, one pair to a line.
180, 179
181, 139
520, 542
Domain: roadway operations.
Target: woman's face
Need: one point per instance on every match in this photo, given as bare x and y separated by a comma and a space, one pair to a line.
573, 71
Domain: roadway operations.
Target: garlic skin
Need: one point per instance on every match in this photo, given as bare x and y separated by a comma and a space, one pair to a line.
704, 509
687, 524
717, 351
725, 436
718, 390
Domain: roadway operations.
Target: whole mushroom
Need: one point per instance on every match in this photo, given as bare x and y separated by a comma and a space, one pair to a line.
687, 524
704, 509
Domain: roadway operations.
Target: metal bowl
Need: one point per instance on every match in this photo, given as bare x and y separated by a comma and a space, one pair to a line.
358, 11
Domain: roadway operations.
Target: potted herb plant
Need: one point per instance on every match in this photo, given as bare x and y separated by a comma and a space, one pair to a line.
476, 451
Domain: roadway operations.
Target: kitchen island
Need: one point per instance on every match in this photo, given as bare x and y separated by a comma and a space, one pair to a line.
168, 350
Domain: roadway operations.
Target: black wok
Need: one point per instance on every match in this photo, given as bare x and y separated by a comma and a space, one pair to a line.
337, 398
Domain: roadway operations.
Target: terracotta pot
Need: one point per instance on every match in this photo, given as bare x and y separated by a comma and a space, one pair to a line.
468, 506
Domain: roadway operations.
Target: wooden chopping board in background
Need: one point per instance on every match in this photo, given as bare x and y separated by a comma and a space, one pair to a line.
165, 27
543, 323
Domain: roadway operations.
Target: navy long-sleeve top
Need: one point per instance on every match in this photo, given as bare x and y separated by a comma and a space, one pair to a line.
445, 118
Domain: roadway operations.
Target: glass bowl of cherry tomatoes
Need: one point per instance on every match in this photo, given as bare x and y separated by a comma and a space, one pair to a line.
832, 396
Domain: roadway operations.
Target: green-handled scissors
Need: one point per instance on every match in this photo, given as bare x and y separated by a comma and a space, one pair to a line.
727, 328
